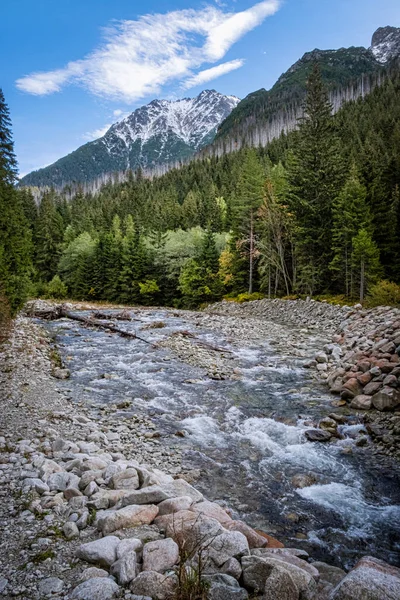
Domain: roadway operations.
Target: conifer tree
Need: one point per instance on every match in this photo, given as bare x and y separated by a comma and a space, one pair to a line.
249, 196
190, 210
315, 176
350, 214
15, 236
365, 258
49, 235
134, 265
199, 279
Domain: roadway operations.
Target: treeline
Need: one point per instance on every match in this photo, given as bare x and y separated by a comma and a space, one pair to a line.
315, 212
15, 236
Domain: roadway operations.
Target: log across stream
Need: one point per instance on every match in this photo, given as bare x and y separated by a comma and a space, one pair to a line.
244, 434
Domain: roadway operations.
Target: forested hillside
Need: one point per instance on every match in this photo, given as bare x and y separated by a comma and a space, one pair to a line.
315, 212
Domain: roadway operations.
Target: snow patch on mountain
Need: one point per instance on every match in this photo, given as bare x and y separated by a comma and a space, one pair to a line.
190, 120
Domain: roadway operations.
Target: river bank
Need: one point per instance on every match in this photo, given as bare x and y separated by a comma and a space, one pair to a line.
40, 410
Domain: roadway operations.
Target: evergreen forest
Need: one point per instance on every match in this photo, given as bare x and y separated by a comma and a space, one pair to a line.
315, 213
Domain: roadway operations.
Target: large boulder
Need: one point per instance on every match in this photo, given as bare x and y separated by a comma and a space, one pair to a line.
157, 493
230, 544
213, 510
256, 572
361, 402
189, 527
280, 584
128, 479
351, 389
153, 584
387, 399
130, 516
98, 588
102, 552
160, 555
371, 579
287, 557
174, 505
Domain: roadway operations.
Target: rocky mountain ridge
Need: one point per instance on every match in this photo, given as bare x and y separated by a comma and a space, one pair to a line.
386, 44
164, 131
348, 73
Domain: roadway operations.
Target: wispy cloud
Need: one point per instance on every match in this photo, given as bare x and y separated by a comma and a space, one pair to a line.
138, 57
97, 133
212, 73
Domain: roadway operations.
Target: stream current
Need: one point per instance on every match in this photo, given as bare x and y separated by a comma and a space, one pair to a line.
245, 435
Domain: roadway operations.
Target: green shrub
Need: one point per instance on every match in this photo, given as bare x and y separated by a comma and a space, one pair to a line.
246, 297
340, 300
384, 293
56, 288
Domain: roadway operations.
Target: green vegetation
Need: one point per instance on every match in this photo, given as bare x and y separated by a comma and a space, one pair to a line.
15, 235
339, 68
317, 212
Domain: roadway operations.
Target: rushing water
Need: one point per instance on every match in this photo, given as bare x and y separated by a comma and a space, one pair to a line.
246, 435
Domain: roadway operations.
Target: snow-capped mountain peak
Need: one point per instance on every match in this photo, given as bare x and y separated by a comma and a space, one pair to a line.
189, 120
386, 44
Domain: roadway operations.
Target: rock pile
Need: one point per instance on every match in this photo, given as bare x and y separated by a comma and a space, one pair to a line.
299, 313
144, 533
366, 359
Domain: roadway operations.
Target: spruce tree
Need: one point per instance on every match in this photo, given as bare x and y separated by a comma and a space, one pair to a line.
315, 170
350, 214
15, 236
49, 235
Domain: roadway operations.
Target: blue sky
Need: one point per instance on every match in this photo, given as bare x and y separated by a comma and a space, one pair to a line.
69, 68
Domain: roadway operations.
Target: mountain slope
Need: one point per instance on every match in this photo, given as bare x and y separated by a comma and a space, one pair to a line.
339, 69
161, 132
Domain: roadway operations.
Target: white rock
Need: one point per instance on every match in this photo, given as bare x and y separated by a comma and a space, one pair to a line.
98, 588
231, 544
160, 555
129, 545
70, 530
37, 484
130, 516
61, 481
127, 479
102, 551
153, 584
50, 586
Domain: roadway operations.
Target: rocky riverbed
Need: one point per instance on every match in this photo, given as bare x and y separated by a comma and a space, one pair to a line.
95, 473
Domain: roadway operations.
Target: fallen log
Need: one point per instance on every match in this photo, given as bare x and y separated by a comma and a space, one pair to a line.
91, 322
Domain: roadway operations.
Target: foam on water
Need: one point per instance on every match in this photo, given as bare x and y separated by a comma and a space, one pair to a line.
349, 502
205, 430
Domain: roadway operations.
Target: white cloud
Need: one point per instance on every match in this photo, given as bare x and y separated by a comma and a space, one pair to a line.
213, 73
117, 113
97, 133
138, 57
